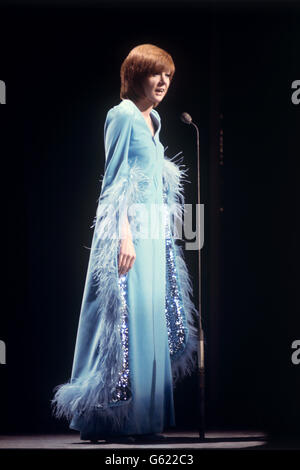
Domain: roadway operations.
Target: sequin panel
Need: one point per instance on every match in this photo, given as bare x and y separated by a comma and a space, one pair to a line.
174, 305
121, 392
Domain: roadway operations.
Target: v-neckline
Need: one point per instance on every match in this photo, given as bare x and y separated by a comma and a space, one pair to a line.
155, 127
155, 120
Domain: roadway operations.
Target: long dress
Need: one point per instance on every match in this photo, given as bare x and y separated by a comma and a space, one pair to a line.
136, 335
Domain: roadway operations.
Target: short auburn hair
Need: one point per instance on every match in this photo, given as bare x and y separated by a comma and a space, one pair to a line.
143, 60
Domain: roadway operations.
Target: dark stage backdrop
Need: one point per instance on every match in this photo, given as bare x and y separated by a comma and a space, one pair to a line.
234, 70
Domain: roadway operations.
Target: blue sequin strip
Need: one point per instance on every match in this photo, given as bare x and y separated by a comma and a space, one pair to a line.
174, 305
174, 313
121, 392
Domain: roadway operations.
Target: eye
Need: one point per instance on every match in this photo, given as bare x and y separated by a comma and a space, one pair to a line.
154, 74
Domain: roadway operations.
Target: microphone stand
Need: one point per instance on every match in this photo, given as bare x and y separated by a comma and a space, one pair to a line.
186, 118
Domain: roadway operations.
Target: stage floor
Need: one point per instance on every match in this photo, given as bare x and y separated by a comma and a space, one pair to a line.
173, 440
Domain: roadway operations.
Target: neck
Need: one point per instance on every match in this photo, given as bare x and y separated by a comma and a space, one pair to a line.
145, 106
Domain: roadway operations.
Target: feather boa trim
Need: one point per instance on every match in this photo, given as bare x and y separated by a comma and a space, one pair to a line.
89, 392
174, 176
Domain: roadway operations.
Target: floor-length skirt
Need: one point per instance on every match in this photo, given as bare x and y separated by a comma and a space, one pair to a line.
151, 408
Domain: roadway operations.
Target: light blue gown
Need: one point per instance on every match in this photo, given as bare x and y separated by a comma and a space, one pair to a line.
136, 333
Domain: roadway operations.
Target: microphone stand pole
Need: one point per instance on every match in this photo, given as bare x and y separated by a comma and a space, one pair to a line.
201, 365
186, 118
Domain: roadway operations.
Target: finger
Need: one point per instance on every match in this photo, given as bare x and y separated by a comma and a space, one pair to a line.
121, 260
120, 265
126, 264
123, 269
132, 262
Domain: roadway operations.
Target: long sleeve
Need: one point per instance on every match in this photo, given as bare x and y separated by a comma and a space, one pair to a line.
117, 132
124, 182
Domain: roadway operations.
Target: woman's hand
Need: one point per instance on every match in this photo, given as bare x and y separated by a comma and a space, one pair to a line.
127, 255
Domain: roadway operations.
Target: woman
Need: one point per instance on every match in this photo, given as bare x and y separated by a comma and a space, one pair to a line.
136, 332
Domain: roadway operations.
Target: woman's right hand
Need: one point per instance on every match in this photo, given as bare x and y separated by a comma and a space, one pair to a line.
127, 255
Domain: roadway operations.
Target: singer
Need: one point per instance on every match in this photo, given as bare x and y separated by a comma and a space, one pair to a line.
136, 335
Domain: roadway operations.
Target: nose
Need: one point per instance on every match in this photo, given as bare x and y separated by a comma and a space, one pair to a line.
163, 79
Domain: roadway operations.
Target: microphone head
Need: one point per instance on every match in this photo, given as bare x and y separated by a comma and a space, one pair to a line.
185, 117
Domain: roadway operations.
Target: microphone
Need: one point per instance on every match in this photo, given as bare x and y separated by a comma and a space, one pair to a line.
186, 118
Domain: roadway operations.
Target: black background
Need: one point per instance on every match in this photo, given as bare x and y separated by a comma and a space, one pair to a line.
61, 69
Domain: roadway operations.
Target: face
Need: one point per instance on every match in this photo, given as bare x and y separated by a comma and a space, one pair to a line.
156, 86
